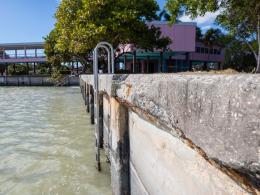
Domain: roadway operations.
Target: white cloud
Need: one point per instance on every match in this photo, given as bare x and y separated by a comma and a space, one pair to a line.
205, 22
205, 28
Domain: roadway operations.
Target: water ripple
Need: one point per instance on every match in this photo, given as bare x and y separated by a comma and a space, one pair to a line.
47, 144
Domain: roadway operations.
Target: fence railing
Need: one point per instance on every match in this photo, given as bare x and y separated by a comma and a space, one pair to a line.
22, 56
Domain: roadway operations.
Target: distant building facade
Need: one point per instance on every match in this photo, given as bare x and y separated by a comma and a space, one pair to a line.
183, 54
30, 55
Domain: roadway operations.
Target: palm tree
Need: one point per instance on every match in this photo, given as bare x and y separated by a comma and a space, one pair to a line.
199, 35
164, 15
213, 37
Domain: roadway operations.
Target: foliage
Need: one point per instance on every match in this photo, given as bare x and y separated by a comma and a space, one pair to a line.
58, 73
239, 57
213, 37
241, 18
81, 24
42, 68
164, 15
17, 69
237, 54
199, 35
55, 56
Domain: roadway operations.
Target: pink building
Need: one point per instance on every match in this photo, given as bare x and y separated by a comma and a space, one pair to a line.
183, 54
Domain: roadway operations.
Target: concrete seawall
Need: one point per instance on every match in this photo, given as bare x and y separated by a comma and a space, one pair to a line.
33, 81
180, 134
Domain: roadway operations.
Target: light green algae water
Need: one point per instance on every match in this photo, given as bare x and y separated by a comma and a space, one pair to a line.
47, 144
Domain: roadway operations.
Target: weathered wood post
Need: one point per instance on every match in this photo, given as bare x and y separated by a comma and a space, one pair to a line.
120, 148
84, 92
88, 97
92, 114
106, 126
101, 131
82, 83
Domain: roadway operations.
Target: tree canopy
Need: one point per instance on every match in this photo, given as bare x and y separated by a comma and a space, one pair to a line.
213, 37
81, 24
241, 18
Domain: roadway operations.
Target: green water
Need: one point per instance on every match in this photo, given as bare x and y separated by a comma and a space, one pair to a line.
47, 144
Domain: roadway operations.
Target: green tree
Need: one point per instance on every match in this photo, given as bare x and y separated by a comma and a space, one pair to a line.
238, 56
240, 17
54, 56
17, 69
81, 24
199, 35
213, 37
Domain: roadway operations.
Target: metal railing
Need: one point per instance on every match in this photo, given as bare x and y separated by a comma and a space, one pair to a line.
111, 67
22, 56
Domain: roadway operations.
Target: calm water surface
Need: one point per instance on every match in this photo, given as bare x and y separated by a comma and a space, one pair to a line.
47, 144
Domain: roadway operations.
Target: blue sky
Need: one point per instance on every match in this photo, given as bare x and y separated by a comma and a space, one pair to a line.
26, 20
30, 20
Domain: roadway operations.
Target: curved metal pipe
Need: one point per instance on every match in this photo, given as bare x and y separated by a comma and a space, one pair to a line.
112, 53
108, 57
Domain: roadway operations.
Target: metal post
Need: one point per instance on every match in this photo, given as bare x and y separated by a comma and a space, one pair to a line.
96, 107
34, 69
77, 64
161, 68
6, 69
147, 63
27, 68
134, 60
125, 60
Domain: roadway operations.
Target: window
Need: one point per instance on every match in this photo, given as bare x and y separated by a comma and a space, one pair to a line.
211, 51
206, 50
121, 66
198, 49
215, 51
202, 50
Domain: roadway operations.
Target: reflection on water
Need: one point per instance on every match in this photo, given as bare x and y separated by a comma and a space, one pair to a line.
47, 144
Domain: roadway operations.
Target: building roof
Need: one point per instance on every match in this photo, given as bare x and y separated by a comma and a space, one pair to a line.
158, 22
29, 45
